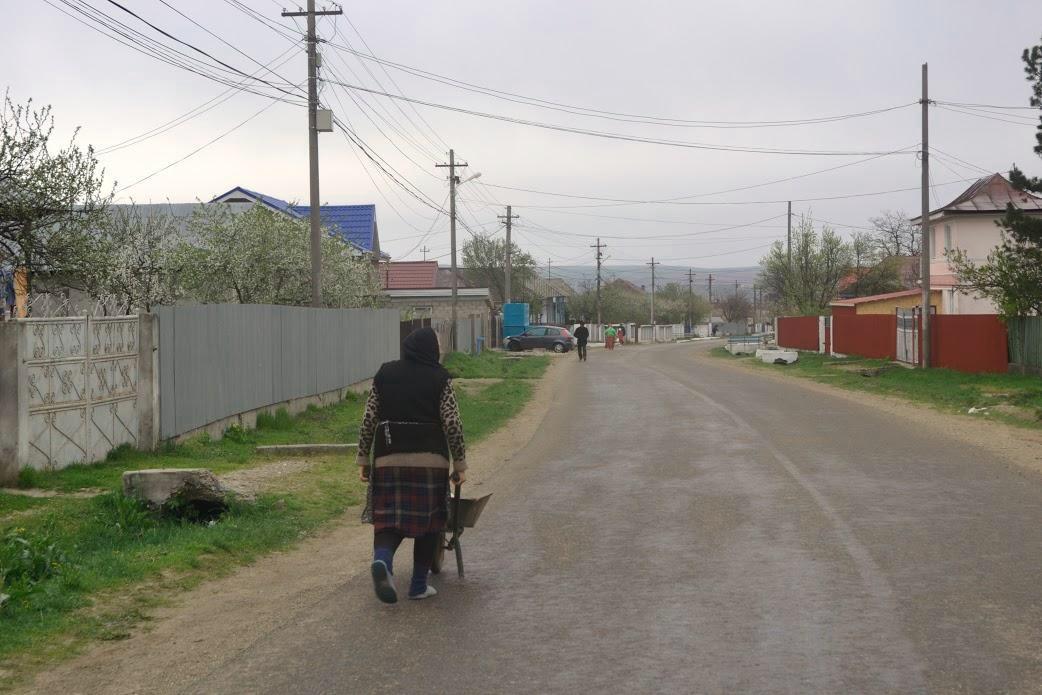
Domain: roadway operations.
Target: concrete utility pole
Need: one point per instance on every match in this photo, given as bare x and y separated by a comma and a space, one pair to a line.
600, 255
507, 296
653, 264
690, 294
788, 244
425, 252
710, 295
924, 254
314, 212
453, 180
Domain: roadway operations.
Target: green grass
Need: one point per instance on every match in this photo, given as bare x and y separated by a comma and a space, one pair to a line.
1010, 398
83, 569
19, 503
494, 364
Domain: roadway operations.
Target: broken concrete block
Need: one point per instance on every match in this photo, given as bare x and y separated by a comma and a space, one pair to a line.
775, 356
191, 488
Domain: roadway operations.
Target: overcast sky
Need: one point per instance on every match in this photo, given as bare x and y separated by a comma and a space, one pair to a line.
696, 61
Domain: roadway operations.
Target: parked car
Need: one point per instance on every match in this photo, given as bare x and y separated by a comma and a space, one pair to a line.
546, 337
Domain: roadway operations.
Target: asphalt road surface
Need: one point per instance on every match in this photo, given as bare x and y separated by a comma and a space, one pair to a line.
681, 526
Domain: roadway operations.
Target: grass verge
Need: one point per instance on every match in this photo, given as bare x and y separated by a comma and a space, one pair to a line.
1009, 398
80, 569
492, 364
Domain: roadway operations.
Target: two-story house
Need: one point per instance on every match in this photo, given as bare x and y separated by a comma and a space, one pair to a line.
969, 223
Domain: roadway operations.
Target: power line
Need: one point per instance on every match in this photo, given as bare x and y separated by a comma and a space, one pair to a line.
621, 136
185, 117
610, 115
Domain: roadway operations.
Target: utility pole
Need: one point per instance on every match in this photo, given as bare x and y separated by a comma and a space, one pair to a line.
653, 264
600, 255
924, 254
690, 295
710, 295
736, 288
507, 296
453, 180
788, 244
548, 262
425, 252
314, 211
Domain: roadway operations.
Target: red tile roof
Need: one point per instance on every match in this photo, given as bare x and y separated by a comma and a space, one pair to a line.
409, 275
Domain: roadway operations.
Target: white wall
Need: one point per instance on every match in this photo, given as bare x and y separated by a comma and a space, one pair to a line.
977, 236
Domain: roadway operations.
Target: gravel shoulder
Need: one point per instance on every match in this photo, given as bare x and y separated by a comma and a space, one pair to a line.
197, 632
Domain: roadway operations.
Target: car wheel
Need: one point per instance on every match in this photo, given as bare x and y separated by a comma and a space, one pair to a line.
514, 346
558, 348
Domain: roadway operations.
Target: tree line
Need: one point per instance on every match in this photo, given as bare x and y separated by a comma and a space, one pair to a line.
59, 226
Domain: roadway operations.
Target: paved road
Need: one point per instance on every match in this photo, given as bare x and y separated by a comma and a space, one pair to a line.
680, 526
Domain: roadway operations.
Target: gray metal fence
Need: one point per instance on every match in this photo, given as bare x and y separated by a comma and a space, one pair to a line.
1025, 342
219, 360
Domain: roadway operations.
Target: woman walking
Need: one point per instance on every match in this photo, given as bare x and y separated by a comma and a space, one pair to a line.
412, 428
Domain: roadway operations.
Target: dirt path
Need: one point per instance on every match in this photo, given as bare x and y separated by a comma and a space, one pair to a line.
205, 628
1013, 445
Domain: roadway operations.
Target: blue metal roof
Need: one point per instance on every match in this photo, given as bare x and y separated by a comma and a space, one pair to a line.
355, 224
276, 203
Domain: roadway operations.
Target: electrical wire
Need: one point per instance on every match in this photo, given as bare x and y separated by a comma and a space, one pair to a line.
622, 136
183, 118
611, 115
987, 117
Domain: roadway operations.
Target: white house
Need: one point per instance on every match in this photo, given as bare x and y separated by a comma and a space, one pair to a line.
969, 223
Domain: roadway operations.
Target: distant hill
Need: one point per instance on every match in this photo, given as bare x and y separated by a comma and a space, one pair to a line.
640, 275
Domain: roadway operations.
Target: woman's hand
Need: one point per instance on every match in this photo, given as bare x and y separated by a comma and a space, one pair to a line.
459, 477
363, 473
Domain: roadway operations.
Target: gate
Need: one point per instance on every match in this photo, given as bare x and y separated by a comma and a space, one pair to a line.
908, 336
81, 376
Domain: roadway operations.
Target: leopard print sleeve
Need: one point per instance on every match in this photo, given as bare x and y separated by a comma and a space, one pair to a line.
453, 426
367, 430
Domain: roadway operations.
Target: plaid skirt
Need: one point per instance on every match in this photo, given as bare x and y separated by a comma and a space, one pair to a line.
413, 501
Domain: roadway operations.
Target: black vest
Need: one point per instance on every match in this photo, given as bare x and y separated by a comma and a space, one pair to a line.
410, 418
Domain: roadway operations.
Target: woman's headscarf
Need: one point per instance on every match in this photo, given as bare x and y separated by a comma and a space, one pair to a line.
422, 346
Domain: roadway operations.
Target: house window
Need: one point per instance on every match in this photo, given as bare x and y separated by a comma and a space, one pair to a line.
422, 312
947, 237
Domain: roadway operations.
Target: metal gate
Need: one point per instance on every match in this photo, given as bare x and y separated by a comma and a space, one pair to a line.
909, 347
81, 375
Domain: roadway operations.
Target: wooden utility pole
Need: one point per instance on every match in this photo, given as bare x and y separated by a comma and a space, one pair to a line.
600, 255
924, 254
453, 181
425, 252
314, 212
507, 296
653, 264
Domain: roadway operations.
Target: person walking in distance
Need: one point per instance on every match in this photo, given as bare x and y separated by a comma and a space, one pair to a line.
621, 334
582, 337
410, 432
609, 337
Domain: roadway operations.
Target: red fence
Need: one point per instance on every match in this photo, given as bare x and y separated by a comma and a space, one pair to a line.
966, 343
970, 343
798, 332
867, 335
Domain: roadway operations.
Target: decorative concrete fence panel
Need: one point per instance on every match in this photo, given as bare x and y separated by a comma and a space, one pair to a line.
664, 334
74, 388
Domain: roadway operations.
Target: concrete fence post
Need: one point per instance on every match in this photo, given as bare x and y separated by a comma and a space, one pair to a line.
12, 398
148, 382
